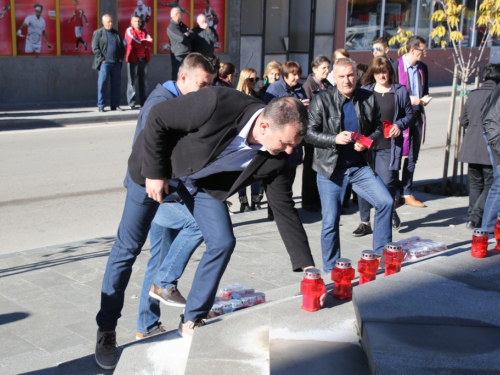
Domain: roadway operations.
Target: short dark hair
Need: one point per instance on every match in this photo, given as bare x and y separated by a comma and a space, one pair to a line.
380, 40
227, 69
284, 111
492, 72
318, 60
291, 67
414, 42
215, 61
377, 65
38, 6
197, 60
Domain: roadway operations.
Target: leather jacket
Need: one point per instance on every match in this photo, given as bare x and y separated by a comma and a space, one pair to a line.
325, 122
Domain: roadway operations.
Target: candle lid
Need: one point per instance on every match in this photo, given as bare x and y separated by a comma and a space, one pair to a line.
343, 263
312, 274
394, 247
480, 232
369, 255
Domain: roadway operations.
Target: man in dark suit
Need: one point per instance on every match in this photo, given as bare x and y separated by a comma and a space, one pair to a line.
229, 142
109, 51
413, 74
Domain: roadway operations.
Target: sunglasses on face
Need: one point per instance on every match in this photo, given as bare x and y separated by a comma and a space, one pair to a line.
376, 49
254, 79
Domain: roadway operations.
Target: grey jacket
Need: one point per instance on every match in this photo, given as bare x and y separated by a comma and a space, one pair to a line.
325, 122
180, 44
100, 46
491, 122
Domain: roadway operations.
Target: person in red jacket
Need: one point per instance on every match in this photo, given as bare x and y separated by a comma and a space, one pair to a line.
137, 55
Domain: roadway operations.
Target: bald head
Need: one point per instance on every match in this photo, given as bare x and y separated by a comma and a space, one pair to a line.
202, 21
176, 14
107, 22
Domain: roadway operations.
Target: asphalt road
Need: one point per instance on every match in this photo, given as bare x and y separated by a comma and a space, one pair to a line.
64, 185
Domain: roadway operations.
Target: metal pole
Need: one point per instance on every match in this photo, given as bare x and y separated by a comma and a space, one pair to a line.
450, 128
458, 138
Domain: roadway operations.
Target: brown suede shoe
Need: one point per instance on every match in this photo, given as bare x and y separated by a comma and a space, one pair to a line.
411, 201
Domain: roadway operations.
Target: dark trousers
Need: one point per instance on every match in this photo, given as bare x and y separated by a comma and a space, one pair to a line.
176, 63
137, 73
480, 181
212, 217
310, 194
411, 161
138, 213
381, 161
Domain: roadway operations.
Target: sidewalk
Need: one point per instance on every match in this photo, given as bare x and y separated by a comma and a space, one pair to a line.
30, 116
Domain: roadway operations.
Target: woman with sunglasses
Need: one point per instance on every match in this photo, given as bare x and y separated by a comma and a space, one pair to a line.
247, 83
385, 154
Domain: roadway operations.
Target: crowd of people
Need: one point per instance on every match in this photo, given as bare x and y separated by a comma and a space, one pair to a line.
186, 163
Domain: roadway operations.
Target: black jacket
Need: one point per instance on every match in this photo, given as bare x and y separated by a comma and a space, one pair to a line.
473, 148
491, 122
100, 46
311, 87
325, 122
205, 40
178, 141
180, 44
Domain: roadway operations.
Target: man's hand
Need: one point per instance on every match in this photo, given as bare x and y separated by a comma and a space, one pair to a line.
359, 147
414, 100
394, 132
343, 138
156, 188
203, 24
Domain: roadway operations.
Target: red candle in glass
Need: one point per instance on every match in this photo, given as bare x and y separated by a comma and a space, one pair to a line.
312, 288
342, 275
368, 266
479, 247
387, 128
497, 232
393, 257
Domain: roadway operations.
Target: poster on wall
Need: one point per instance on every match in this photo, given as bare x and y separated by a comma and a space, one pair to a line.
5, 28
215, 11
144, 9
163, 20
36, 27
78, 20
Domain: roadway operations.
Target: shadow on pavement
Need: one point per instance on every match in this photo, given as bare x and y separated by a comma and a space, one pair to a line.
12, 317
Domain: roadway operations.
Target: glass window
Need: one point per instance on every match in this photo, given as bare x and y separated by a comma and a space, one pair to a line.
251, 17
363, 24
325, 13
300, 25
250, 52
276, 25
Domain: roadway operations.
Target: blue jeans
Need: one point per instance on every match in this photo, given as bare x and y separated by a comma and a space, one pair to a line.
254, 190
215, 224
138, 213
174, 236
113, 72
410, 162
176, 64
367, 186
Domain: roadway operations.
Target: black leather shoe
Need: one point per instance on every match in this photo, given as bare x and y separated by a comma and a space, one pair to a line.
310, 207
117, 108
100, 109
362, 230
396, 221
470, 225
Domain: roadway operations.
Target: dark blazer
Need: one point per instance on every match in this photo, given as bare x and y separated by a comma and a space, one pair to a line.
325, 122
180, 44
100, 46
423, 86
403, 118
205, 40
490, 113
279, 89
473, 148
178, 141
311, 87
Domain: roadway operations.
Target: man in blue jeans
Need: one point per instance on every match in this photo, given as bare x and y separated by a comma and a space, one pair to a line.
109, 51
333, 116
174, 236
195, 73
491, 126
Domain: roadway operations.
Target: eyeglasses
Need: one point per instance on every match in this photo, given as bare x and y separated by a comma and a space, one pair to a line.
254, 79
419, 49
377, 49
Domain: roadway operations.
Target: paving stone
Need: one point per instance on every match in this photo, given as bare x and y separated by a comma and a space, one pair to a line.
46, 278
226, 366
394, 348
11, 345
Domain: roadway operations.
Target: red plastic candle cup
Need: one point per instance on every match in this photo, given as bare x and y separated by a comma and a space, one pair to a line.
497, 232
387, 128
368, 266
312, 288
342, 275
393, 257
479, 243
